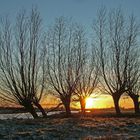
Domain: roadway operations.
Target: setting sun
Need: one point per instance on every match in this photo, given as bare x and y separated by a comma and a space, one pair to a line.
89, 103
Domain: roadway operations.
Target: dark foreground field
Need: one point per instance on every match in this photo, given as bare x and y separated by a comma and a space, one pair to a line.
74, 128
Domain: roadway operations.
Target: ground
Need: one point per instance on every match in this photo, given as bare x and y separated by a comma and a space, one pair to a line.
73, 128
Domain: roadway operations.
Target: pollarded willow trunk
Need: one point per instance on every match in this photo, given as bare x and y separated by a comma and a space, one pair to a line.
29, 107
33, 112
116, 99
135, 99
66, 102
83, 105
41, 109
67, 108
136, 106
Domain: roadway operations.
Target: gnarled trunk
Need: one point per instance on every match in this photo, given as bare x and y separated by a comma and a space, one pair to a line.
83, 105
29, 107
135, 99
116, 99
68, 110
41, 109
136, 106
66, 103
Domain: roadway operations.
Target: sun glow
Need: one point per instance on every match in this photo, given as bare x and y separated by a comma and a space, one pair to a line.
89, 103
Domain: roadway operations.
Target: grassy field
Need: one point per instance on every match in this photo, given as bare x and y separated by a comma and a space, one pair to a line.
97, 126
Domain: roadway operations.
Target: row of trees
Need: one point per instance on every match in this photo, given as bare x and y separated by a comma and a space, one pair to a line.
61, 60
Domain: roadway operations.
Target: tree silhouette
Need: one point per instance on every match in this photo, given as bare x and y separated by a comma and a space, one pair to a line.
21, 65
115, 45
133, 70
63, 66
88, 78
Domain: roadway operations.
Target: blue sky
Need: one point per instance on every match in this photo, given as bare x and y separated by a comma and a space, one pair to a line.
83, 11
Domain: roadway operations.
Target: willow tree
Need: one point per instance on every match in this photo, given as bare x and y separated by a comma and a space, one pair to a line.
63, 61
22, 66
88, 73
133, 71
114, 50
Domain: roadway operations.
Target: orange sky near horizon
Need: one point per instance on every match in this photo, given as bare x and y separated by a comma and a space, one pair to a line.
103, 101
107, 102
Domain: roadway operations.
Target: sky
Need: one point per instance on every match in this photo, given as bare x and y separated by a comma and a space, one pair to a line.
82, 11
